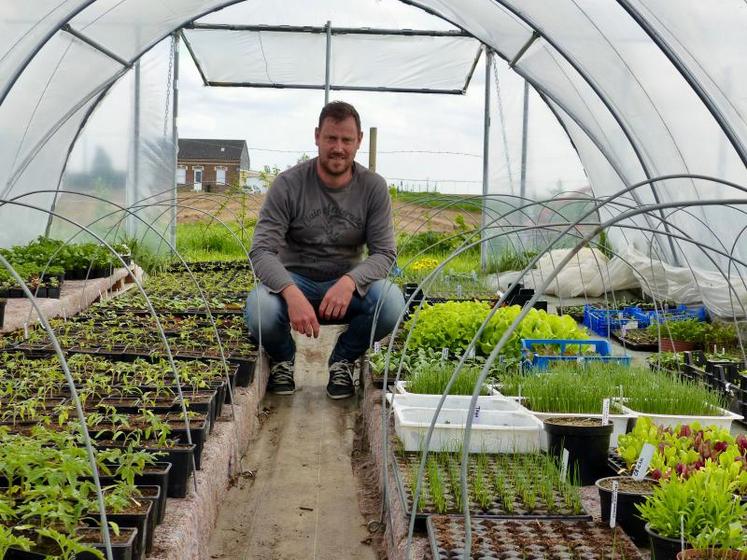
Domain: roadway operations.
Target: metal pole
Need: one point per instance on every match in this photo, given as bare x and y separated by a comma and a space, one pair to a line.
175, 136
524, 135
133, 188
327, 62
485, 158
373, 135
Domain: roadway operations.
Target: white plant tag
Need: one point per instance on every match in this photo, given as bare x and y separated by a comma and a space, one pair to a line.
444, 354
26, 331
682, 533
564, 464
621, 391
459, 291
605, 412
474, 276
377, 347
476, 419
613, 505
471, 353
64, 314
643, 462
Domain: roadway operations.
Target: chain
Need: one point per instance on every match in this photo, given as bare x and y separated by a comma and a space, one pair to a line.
169, 76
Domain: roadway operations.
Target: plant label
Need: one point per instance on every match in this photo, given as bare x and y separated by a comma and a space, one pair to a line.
605, 412
474, 276
564, 464
377, 347
459, 291
64, 314
682, 533
476, 419
26, 331
471, 353
643, 462
613, 505
444, 354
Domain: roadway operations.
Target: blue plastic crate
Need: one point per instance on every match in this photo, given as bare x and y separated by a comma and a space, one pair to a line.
541, 362
679, 313
604, 321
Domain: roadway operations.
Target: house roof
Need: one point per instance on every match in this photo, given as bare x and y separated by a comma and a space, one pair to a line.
211, 149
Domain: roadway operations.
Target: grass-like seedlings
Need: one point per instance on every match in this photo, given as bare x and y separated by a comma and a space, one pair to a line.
432, 378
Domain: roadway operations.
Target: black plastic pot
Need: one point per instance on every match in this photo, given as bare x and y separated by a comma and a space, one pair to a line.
663, 548
245, 374
140, 521
2, 312
157, 475
120, 551
627, 514
587, 445
53, 292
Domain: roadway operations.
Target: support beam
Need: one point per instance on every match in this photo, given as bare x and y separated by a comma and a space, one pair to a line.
327, 62
485, 159
373, 136
524, 142
67, 28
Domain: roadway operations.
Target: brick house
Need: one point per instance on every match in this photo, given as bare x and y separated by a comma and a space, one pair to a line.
211, 165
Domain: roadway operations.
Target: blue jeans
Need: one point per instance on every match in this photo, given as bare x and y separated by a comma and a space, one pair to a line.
270, 310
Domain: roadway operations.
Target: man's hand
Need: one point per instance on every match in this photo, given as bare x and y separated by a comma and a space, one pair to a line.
300, 312
336, 300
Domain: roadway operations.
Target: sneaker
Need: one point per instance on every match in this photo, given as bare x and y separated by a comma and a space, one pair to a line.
340, 384
281, 379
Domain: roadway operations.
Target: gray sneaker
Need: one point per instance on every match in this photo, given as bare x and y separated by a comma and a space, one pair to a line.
340, 384
281, 379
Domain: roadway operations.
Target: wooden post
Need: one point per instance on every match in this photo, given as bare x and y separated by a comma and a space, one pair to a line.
372, 149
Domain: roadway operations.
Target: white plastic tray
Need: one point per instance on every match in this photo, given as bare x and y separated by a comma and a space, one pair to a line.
722, 420
494, 432
454, 402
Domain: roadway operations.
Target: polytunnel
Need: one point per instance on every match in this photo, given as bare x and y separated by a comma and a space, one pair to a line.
647, 96
608, 71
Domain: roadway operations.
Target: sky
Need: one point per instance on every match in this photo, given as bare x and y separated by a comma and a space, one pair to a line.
278, 125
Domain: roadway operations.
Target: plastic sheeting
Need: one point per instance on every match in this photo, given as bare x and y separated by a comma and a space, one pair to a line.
590, 274
376, 61
635, 109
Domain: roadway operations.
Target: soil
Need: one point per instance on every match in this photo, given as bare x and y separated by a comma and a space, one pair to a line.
574, 421
407, 217
626, 485
545, 540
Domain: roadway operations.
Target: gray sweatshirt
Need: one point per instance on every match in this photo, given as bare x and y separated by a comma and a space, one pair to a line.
319, 232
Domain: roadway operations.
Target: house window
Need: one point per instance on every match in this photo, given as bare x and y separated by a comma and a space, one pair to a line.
181, 175
220, 175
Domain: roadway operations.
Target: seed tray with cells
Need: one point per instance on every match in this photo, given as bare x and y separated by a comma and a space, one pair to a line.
506, 539
510, 485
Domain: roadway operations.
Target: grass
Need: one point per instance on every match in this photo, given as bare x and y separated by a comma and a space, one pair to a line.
433, 378
438, 200
567, 388
200, 241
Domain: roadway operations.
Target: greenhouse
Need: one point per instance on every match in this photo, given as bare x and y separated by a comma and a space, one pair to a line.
542, 357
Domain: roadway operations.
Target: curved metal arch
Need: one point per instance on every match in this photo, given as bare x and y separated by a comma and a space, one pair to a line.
689, 77
603, 99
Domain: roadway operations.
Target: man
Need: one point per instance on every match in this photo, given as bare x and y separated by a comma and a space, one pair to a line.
307, 251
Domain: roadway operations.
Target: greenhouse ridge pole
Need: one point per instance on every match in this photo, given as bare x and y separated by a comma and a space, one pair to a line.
328, 59
486, 156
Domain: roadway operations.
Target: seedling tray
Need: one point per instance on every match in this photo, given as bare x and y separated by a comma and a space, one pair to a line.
637, 346
535, 540
510, 466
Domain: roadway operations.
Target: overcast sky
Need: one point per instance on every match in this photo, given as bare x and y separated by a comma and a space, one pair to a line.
278, 125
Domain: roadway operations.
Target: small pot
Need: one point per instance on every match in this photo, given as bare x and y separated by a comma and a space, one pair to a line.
627, 498
663, 548
711, 554
587, 441
669, 345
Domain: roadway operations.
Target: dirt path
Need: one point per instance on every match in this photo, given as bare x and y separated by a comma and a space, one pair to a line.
302, 501
197, 207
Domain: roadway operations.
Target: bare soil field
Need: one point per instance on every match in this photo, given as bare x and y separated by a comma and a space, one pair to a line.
199, 207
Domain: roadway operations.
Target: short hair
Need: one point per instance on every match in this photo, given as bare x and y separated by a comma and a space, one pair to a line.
339, 111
